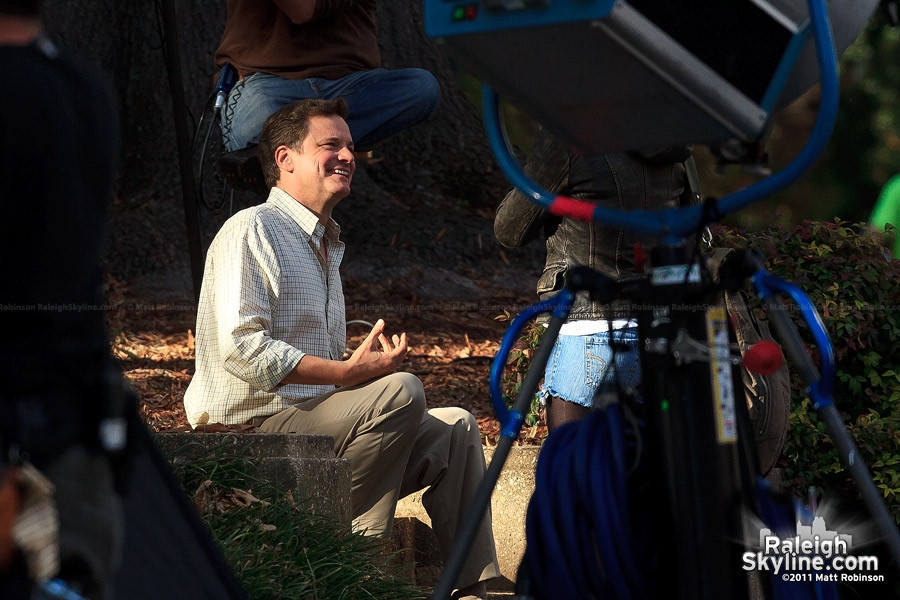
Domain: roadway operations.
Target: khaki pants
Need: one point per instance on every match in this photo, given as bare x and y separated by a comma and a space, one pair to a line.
396, 448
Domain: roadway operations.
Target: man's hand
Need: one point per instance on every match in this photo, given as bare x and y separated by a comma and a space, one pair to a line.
376, 356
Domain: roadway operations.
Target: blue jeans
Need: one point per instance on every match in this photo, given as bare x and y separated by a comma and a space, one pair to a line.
380, 102
580, 366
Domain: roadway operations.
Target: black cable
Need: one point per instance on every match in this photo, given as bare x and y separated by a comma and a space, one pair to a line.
160, 29
196, 136
213, 207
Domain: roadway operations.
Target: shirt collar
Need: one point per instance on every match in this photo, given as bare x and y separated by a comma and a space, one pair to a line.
305, 218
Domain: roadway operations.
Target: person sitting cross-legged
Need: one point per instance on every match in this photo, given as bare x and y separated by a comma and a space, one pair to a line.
271, 332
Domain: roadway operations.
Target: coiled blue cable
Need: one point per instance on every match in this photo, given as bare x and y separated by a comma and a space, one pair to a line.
580, 540
545, 550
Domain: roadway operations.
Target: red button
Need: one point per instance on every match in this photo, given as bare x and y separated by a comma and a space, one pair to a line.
471, 12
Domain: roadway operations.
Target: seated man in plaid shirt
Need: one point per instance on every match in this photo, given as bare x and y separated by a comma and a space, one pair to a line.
271, 332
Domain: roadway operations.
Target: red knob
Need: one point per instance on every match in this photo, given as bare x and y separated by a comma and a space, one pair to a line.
763, 357
640, 257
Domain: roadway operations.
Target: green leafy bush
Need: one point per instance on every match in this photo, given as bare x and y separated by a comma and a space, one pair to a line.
279, 550
855, 285
517, 366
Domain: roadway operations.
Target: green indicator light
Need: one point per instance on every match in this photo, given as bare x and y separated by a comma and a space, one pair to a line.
664, 405
459, 13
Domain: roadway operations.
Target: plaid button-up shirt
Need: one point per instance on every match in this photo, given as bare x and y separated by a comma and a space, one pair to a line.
268, 298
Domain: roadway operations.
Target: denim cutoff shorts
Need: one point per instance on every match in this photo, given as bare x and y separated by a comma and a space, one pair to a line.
580, 366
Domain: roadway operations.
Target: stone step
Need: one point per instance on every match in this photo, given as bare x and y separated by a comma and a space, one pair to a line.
304, 464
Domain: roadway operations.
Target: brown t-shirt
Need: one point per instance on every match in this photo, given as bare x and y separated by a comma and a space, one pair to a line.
338, 39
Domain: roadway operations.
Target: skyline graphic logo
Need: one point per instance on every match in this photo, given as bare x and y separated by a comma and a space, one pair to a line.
813, 553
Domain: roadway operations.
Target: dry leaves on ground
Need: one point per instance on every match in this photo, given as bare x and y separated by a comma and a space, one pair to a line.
450, 351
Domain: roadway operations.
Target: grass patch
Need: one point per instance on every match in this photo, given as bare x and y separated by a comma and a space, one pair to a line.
277, 548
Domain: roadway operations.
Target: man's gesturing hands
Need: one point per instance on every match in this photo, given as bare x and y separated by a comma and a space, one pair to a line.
376, 356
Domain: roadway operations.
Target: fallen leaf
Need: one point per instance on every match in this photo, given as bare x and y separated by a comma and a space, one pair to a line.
201, 496
243, 497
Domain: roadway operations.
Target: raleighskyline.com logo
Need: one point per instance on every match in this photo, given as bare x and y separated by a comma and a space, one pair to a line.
813, 554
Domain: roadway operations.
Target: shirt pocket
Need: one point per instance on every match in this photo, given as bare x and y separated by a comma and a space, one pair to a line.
552, 278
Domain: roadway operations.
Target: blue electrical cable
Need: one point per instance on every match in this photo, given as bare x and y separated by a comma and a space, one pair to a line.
55, 589
675, 223
602, 484
593, 529
546, 552
821, 390
579, 515
509, 419
781, 520
570, 526
622, 524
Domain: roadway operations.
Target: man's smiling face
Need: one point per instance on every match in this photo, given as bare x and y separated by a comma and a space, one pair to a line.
323, 166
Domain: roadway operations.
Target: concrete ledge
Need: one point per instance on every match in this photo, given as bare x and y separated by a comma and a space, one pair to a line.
304, 464
412, 527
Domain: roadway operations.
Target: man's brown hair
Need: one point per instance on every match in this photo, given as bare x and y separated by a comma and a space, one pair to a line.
288, 126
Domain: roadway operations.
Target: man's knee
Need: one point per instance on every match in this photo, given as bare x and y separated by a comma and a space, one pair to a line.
463, 426
405, 389
428, 89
